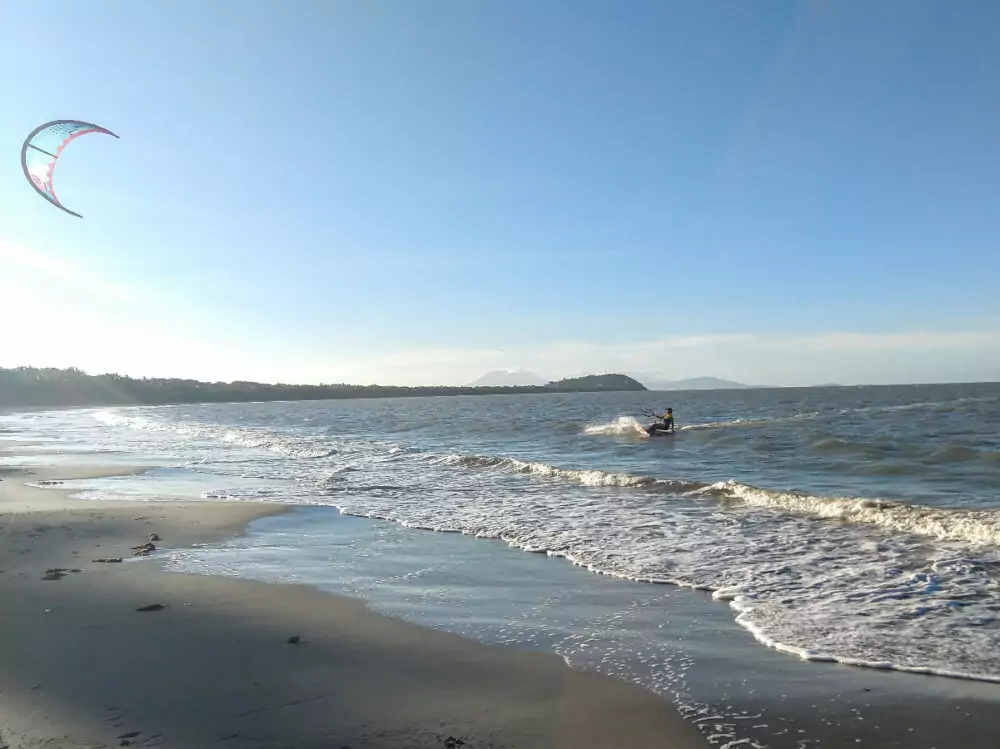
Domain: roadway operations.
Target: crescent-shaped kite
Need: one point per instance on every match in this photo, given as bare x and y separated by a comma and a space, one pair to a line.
41, 151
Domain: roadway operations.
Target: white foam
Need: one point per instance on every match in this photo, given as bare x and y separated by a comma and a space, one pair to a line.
974, 526
622, 425
810, 592
244, 437
747, 422
238, 493
629, 425
860, 581
586, 477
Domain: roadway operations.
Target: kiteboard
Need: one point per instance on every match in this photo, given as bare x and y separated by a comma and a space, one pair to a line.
659, 433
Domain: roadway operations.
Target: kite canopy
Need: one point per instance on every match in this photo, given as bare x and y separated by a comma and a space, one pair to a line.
42, 149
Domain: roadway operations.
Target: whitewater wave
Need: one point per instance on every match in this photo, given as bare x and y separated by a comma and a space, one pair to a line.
862, 581
821, 594
621, 425
237, 494
973, 526
299, 447
628, 425
586, 477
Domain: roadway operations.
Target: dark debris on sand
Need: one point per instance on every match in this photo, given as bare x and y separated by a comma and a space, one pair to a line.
57, 573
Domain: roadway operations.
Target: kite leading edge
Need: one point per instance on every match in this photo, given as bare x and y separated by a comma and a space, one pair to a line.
41, 151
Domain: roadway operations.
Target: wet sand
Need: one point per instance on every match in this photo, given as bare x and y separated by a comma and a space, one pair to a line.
210, 664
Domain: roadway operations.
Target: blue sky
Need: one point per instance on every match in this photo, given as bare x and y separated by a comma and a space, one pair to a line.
777, 192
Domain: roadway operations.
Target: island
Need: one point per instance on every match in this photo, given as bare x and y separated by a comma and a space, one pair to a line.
597, 383
30, 387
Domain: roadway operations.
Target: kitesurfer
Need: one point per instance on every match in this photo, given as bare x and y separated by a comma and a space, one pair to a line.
664, 422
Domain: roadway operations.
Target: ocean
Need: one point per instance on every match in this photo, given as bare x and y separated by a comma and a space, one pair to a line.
786, 532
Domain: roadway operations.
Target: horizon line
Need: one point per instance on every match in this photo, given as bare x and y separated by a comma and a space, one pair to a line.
742, 386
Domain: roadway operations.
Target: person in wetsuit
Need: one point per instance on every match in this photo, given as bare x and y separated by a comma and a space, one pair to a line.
664, 423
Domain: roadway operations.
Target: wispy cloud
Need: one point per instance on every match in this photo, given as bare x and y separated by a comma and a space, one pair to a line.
16, 259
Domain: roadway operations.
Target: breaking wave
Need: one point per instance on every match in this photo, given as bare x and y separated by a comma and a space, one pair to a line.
587, 477
628, 425
972, 526
621, 425
862, 581
299, 447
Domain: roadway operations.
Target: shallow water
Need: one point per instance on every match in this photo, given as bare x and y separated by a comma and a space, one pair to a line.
675, 642
851, 524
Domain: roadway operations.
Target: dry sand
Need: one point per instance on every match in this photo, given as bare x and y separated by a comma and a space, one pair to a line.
81, 666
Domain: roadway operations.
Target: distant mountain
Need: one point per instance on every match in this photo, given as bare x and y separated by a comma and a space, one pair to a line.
508, 378
591, 383
697, 383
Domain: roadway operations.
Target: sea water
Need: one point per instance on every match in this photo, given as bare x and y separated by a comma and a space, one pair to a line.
850, 525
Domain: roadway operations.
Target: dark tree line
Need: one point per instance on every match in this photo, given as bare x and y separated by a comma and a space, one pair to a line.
31, 387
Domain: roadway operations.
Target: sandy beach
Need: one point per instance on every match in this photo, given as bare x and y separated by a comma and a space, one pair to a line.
209, 663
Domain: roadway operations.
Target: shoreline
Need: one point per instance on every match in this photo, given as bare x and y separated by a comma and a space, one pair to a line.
236, 625
107, 390
726, 682
84, 667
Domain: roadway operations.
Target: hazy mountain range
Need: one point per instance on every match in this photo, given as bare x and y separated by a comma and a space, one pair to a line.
508, 378
522, 377
694, 383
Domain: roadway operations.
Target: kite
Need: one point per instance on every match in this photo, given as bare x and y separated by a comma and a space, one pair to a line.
41, 151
